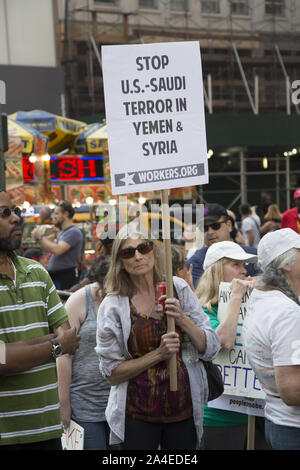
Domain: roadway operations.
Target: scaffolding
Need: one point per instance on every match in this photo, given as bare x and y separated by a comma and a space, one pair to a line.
250, 55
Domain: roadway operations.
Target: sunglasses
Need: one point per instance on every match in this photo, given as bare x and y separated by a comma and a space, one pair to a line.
5, 213
214, 226
142, 248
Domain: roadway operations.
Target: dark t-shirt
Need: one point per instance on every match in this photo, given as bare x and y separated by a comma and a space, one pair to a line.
73, 236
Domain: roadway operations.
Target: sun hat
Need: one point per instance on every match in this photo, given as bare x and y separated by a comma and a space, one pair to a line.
274, 244
229, 250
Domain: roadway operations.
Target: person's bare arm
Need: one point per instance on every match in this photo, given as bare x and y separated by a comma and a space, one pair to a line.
64, 373
196, 333
25, 355
228, 327
56, 248
266, 227
250, 236
76, 309
21, 356
288, 384
48, 243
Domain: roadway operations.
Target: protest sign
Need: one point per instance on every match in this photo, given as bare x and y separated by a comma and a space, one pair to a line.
155, 116
73, 437
238, 376
246, 405
242, 390
156, 127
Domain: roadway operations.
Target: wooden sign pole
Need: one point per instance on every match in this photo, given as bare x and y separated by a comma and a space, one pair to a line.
169, 279
251, 432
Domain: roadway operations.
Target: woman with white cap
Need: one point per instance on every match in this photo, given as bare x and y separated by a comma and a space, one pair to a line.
272, 336
224, 262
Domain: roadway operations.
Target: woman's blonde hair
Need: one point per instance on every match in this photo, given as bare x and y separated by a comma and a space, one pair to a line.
208, 287
273, 213
118, 280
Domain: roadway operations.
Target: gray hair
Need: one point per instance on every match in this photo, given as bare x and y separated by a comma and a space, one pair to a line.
274, 277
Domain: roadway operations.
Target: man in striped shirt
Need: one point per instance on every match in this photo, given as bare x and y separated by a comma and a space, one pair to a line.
34, 330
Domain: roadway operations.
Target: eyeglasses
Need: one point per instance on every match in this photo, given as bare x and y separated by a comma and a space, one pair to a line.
142, 248
214, 226
5, 213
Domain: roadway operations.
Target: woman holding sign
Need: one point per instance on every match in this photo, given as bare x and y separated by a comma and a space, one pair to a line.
272, 337
133, 346
224, 262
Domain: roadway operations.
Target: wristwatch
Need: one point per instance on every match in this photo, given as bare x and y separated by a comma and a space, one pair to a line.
39, 238
57, 349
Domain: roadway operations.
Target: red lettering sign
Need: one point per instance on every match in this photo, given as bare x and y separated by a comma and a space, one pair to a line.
86, 167
67, 168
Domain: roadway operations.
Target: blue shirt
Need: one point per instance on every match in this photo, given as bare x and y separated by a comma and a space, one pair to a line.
74, 237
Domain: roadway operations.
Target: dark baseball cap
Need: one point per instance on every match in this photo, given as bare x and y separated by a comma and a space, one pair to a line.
214, 212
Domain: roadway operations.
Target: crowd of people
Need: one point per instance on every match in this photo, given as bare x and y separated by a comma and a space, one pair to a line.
102, 357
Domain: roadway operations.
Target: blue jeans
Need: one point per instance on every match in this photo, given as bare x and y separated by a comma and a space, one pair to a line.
95, 435
282, 437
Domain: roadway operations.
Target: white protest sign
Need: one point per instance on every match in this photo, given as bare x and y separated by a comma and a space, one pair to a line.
246, 405
238, 376
73, 437
155, 116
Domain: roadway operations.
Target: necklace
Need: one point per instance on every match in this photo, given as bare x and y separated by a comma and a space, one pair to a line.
152, 310
13, 267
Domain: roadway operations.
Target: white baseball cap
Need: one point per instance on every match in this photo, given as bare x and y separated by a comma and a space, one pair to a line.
274, 244
229, 250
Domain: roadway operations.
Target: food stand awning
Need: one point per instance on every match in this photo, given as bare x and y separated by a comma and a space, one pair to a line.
92, 139
60, 130
27, 134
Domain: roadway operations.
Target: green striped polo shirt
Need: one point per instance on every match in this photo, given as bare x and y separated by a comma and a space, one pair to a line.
29, 308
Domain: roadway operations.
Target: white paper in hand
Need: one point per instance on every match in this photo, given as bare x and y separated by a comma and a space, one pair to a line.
73, 437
